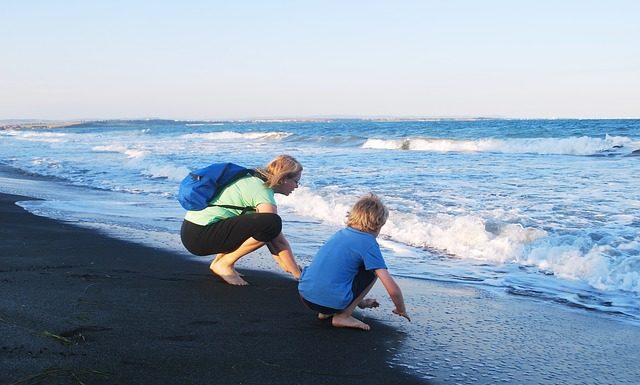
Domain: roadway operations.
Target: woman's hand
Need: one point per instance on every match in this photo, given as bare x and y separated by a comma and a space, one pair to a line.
297, 275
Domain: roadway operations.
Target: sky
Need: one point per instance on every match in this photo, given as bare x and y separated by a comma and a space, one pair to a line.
66, 60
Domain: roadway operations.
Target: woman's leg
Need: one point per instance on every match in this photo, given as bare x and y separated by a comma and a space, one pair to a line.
231, 239
223, 264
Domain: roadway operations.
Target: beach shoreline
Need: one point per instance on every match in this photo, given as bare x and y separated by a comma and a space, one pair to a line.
80, 306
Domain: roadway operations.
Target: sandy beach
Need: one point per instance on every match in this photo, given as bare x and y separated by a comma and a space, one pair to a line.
79, 307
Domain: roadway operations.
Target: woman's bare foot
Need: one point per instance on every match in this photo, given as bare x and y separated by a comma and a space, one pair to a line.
322, 316
217, 258
368, 303
228, 273
349, 322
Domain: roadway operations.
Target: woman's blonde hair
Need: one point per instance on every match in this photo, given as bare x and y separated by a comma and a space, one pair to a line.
280, 168
368, 214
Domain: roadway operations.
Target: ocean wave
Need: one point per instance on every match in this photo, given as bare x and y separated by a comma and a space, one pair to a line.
137, 160
584, 145
490, 238
203, 124
36, 136
169, 172
131, 153
232, 135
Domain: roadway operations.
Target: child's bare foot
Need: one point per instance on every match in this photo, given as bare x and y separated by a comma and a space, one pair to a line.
228, 273
349, 322
322, 316
368, 303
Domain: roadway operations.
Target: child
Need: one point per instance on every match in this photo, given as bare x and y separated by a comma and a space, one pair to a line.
346, 267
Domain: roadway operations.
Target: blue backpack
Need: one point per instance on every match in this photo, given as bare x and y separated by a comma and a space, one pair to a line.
201, 186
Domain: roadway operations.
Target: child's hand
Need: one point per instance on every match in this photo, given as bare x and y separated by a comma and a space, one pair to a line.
402, 314
368, 303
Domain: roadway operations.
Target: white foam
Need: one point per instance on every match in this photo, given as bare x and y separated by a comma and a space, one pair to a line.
463, 236
331, 209
137, 159
545, 146
231, 135
36, 136
488, 237
46, 162
170, 172
122, 149
387, 144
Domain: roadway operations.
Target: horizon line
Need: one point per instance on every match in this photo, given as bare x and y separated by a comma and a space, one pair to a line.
70, 121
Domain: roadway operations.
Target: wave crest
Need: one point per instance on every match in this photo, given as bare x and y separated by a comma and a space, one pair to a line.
36, 136
583, 146
491, 237
232, 135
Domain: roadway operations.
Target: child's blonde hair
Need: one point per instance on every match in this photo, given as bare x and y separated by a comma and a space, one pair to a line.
280, 168
368, 214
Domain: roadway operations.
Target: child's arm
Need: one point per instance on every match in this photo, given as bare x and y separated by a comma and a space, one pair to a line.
394, 292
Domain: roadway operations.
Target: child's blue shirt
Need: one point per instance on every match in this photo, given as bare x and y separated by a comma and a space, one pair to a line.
327, 280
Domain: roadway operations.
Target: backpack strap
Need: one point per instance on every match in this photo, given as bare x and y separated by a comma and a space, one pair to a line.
243, 209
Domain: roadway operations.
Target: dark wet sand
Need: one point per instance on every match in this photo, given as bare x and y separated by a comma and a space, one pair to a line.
79, 307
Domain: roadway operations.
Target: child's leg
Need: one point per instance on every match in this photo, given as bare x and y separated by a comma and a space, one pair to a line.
344, 318
323, 316
323, 311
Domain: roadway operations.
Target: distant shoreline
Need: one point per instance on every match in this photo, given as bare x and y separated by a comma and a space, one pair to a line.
9, 124
37, 124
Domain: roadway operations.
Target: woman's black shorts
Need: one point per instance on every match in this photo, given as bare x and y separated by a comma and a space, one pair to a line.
228, 234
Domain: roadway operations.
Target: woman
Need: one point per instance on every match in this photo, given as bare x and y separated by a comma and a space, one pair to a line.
231, 234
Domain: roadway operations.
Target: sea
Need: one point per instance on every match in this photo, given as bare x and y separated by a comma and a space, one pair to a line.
547, 209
